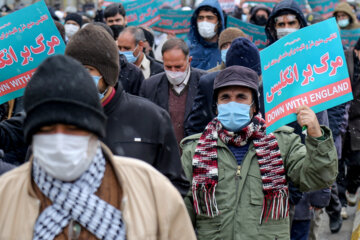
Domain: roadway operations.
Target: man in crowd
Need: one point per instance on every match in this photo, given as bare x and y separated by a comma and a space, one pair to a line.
345, 16
207, 23
239, 173
242, 52
259, 15
72, 187
175, 89
135, 126
114, 14
73, 23
351, 151
285, 18
131, 44
225, 39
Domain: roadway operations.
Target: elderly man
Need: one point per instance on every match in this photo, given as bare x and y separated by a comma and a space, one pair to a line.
239, 173
175, 89
131, 43
72, 187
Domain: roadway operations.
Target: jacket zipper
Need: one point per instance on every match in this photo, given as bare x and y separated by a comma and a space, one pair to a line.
237, 178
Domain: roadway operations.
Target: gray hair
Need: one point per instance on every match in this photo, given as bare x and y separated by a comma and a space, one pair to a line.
138, 34
175, 43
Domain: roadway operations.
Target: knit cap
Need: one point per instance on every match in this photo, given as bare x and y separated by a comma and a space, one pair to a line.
93, 45
243, 52
56, 94
75, 17
229, 34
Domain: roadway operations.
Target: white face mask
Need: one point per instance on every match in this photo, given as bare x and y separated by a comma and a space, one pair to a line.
176, 78
71, 29
282, 32
63, 156
206, 29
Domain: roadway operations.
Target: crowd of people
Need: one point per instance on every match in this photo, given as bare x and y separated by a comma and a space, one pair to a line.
136, 134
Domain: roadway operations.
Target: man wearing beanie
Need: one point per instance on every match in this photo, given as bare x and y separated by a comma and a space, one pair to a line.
240, 174
136, 127
73, 23
242, 52
72, 186
225, 40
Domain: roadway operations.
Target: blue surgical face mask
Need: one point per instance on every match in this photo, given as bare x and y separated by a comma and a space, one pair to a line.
130, 55
234, 116
223, 55
96, 81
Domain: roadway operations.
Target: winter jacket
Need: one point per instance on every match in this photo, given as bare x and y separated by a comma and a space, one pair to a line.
130, 76
354, 111
156, 89
240, 198
12, 139
290, 5
346, 8
138, 128
155, 66
151, 206
4, 166
205, 55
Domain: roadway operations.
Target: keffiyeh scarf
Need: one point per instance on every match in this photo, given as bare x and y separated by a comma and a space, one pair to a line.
77, 201
205, 167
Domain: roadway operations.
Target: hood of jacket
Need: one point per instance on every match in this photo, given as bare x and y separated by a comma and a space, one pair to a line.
286, 5
346, 8
194, 35
255, 10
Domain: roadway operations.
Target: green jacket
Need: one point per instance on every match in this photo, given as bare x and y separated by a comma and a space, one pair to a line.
239, 193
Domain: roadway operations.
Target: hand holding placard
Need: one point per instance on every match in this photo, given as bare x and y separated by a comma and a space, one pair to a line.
307, 117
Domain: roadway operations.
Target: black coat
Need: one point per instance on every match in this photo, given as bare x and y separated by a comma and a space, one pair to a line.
155, 66
203, 109
138, 128
130, 76
156, 89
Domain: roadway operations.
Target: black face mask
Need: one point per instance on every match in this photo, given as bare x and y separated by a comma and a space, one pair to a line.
260, 20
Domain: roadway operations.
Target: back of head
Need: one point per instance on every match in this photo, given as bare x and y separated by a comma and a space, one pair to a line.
149, 35
229, 34
62, 91
93, 45
113, 9
243, 52
283, 8
61, 29
314, 17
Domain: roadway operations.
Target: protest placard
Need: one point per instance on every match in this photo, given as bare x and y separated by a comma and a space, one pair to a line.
142, 13
307, 67
268, 3
255, 33
174, 4
139, 13
350, 37
227, 5
174, 22
324, 7
27, 37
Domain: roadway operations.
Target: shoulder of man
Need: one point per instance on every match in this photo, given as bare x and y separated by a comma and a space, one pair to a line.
284, 129
190, 140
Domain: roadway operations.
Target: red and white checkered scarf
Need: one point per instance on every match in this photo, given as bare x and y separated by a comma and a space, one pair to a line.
205, 167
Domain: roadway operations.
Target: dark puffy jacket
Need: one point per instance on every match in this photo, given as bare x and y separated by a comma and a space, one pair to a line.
12, 139
286, 5
205, 55
130, 76
4, 166
140, 129
155, 66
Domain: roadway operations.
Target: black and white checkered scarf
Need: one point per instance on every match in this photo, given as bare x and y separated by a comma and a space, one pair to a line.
77, 201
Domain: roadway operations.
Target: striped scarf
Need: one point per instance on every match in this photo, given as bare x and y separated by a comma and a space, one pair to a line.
77, 201
205, 167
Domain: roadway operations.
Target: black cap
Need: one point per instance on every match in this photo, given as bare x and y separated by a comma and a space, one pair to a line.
62, 91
